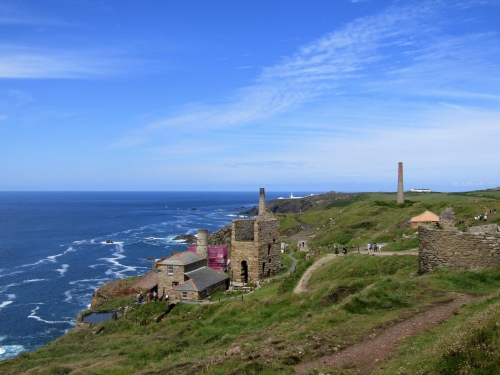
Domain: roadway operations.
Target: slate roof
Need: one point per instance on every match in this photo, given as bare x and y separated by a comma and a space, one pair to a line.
181, 259
186, 286
201, 279
148, 281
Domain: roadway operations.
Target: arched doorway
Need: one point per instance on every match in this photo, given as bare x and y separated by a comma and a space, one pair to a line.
244, 271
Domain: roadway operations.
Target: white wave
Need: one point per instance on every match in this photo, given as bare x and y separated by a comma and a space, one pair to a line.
111, 243
34, 264
36, 317
51, 258
5, 303
8, 351
12, 273
80, 242
33, 281
76, 282
68, 295
63, 270
92, 241
96, 265
4, 288
118, 254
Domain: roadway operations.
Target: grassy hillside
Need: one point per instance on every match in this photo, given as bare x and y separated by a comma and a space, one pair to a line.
267, 332
376, 218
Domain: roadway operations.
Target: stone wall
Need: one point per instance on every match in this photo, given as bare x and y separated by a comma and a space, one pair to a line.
165, 280
457, 250
269, 247
191, 296
261, 250
243, 230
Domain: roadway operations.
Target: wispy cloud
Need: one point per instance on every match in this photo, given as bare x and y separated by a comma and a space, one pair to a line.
26, 62
398, 47
268, 164
14, 14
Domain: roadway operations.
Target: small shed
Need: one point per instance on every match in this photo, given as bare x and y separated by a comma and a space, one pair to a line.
426, 217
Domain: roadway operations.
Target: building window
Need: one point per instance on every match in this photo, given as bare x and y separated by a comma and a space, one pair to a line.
170, 270
184, 294
174, 284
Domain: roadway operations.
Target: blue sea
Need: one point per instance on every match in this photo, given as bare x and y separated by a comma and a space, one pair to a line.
53, 251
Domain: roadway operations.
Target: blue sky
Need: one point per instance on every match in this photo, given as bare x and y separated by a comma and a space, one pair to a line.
236, 95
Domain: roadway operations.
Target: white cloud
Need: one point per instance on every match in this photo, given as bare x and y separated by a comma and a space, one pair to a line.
360, 56
24, 62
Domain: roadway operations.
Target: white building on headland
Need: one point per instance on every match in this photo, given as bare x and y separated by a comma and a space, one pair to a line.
293, 197
420, 190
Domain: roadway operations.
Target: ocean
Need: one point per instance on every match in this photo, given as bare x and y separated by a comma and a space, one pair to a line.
53, 251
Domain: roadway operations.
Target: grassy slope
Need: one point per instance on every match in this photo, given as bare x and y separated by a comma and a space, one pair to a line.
349, 298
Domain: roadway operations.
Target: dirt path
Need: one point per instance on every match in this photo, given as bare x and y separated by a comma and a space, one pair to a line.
302, 284
368, 354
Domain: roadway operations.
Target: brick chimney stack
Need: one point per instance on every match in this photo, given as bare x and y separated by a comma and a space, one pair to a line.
262, 202
401, 195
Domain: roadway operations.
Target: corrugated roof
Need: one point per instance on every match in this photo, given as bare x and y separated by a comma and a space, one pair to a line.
426, 216
181, 259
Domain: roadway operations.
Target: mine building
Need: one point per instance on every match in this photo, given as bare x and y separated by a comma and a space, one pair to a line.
256, 246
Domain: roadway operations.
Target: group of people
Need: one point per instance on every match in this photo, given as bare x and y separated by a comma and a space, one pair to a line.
336, 249
374, 247
153, 297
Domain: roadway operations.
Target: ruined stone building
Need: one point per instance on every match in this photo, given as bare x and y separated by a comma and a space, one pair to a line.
478, 247
256, 246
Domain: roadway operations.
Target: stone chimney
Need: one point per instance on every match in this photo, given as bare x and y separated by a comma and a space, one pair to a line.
202, 243
262, 202
401, 194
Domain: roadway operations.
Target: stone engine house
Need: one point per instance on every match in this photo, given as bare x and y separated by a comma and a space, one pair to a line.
256, 245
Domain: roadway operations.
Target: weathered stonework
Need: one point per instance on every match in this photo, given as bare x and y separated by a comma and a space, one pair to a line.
186, 276
457, 250
256, 246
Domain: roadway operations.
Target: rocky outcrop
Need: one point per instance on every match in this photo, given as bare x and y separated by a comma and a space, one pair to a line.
220, 237
296, 205
187, 238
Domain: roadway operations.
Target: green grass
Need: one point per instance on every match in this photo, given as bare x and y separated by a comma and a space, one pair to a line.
467, 343
348, 299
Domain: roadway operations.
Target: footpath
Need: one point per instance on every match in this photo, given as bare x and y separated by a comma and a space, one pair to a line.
370, 353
